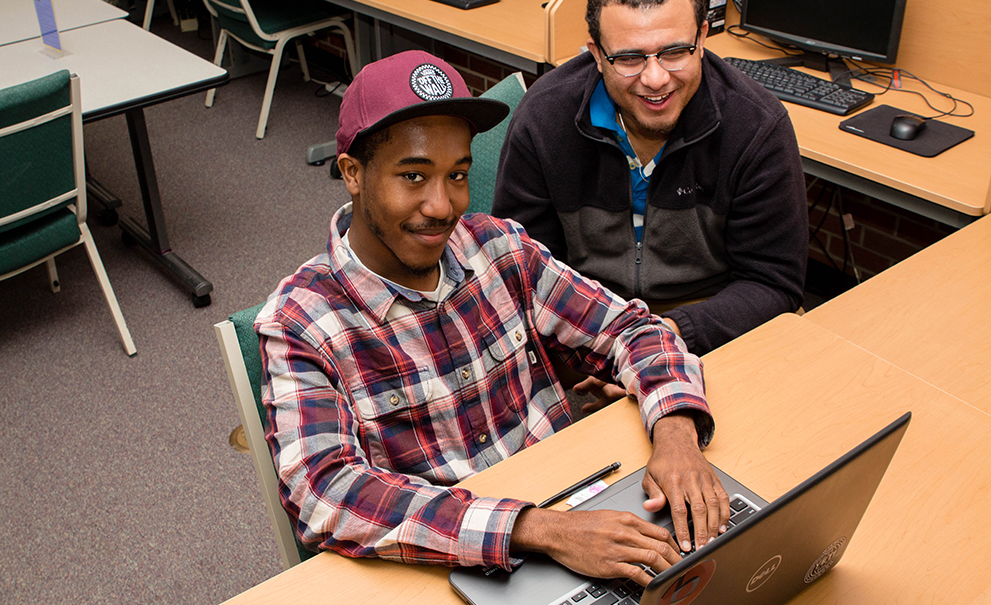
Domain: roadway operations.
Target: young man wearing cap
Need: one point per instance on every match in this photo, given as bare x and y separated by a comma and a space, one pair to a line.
414, 353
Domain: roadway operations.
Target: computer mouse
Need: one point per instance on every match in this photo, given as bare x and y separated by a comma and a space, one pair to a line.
907, 127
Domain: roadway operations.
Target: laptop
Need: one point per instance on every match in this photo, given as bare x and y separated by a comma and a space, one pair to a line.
766, 558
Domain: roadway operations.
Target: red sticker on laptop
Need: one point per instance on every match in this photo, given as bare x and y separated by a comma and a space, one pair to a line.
690, 585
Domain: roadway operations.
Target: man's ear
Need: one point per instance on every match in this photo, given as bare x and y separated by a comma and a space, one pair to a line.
596, 52
705, 32
351, 171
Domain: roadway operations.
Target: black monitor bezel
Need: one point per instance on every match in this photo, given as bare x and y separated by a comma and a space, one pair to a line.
827, 48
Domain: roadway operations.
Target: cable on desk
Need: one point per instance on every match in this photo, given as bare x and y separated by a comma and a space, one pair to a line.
861, 72
893, 75
734, 30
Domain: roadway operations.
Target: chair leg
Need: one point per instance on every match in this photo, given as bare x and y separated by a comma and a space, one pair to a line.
273, 74
108, 291
172, 11
349, 48
53, 275
149, 10
218, 58
302, 61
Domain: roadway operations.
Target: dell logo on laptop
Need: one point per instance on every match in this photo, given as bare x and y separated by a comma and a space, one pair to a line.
764, 573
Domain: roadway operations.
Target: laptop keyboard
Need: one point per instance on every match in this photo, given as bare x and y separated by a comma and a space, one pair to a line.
628, 592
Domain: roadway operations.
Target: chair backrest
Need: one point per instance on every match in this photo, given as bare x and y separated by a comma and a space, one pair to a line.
486, 146
40, 158
42, 171
265, 23
242, 358
238, 19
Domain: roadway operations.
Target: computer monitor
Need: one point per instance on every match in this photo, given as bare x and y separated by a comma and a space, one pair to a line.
866, 30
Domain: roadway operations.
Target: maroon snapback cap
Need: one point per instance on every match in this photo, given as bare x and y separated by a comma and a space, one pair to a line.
408, 85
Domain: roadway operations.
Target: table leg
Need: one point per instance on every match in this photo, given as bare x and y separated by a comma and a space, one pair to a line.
154, 238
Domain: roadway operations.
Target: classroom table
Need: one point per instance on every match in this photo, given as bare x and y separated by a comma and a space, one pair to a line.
928, 314
954, 187
788, 398
19, 20
513, 32
123, 69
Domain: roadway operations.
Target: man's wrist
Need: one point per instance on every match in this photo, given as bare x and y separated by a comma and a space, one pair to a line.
533, 530
679, 425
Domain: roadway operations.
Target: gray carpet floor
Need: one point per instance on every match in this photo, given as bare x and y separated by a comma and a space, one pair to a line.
119, 485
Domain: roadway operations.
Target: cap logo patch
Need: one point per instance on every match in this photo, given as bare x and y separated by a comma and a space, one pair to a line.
430, 83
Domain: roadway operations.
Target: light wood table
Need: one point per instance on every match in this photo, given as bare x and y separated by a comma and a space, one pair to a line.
953, 187
789, 398
514, 32
929, 314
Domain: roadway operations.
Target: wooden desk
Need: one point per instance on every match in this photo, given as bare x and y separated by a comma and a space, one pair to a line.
123, 69
514, 32
789, 398
928, 314
954, 187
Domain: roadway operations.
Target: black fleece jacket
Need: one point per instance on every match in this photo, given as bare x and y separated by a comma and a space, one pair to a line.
726, 214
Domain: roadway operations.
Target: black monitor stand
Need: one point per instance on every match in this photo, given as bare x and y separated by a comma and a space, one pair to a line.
837, 69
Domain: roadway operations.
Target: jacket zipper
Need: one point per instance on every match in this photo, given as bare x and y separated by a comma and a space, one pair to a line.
638, 290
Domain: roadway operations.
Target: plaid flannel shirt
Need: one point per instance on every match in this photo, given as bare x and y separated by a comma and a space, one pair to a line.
379, 401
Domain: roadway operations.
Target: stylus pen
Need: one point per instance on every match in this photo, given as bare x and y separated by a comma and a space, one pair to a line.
568, 492
580, 485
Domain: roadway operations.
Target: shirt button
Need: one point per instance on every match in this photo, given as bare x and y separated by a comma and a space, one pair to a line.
483, 438
519, 336
394, 400
466, 373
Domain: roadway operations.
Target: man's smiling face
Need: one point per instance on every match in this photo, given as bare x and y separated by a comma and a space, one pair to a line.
651, 102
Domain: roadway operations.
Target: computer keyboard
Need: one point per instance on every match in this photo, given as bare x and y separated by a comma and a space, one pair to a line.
797, 87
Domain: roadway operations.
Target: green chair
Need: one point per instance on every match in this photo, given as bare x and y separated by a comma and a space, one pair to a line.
486, 146
242, 358
267, 26
43, 183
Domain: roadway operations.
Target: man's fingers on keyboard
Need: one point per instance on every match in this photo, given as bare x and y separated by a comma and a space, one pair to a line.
719, 510
636, 573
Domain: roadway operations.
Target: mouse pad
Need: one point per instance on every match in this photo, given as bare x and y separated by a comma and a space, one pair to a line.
875, 123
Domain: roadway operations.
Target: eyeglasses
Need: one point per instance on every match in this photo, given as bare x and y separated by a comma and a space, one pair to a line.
629, 65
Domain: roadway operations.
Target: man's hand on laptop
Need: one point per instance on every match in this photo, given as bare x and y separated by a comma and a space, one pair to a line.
597, 543
679, 475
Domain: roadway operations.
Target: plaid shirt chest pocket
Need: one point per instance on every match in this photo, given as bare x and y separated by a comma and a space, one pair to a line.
394, 412
508, 359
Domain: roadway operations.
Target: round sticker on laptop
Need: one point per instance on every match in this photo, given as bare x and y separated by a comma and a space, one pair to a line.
764, 573
826, 560
690, 585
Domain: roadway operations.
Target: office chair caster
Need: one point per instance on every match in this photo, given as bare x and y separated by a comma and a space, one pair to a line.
128, 239
201, 301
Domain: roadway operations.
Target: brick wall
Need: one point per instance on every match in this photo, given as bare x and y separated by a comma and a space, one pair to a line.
881, 235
